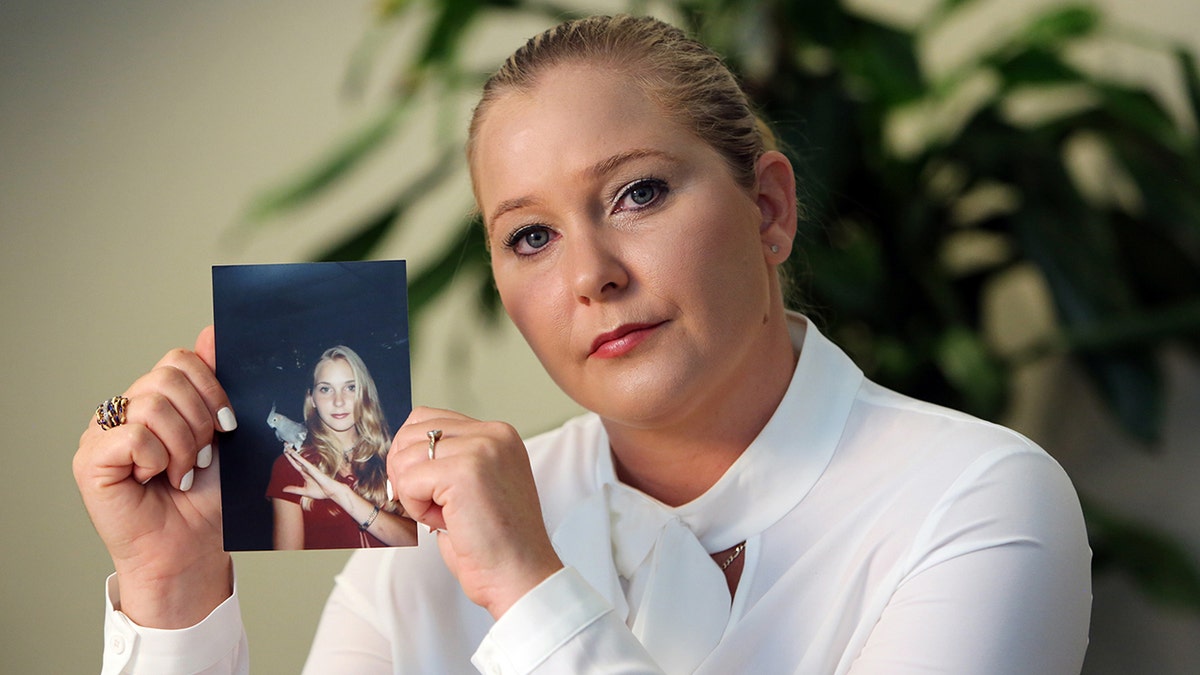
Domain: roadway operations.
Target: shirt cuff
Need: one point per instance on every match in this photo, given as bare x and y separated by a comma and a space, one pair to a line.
538, 624
130, 648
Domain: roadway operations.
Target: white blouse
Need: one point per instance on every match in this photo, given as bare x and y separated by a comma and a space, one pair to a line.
883, 535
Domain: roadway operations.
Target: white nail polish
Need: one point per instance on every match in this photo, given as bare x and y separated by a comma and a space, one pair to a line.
185, 483
226, 419
204, 457
391, 493
148, 480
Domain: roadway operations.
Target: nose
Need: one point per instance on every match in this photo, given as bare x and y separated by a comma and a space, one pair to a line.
594, 267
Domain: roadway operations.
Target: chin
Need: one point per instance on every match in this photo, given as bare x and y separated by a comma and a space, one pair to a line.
646, 400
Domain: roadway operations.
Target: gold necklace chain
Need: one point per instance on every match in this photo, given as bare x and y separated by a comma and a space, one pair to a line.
733, 556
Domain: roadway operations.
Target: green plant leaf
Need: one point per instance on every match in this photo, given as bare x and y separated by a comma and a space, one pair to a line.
488, 299
1160, 566
941, 12
363, 59
464, 255
335, 165
1141, 110
1034, 67
451, 23
362, 242
1136, 330
1191, 81
1132, 386
389, 9
882, 63
973, 370
1057, 26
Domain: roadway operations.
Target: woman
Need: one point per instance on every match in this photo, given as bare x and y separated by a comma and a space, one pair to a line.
331, 493
739, 498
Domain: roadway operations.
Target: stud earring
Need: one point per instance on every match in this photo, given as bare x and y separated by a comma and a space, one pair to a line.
774, 248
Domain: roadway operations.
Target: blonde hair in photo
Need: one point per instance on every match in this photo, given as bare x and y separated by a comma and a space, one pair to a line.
368, 457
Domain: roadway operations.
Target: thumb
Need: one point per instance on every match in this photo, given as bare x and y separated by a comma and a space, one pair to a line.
206, 347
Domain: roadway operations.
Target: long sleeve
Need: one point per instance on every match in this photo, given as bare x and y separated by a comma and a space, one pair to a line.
400, 611
215, 646
562, 626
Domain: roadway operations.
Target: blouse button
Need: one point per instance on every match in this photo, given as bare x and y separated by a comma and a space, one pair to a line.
117, 644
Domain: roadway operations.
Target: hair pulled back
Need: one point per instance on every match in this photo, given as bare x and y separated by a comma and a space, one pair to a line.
688, 81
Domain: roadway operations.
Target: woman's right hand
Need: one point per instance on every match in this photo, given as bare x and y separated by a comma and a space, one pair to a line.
151, 488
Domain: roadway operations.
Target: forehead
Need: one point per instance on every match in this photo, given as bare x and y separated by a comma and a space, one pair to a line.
336, 367
574, 117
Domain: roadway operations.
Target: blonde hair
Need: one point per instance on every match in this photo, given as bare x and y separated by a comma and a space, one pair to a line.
368, 457
690, 82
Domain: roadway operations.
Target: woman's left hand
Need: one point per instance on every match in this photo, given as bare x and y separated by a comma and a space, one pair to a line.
317, 484
479, 492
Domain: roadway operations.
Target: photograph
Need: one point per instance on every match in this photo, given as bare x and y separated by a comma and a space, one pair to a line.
315, 356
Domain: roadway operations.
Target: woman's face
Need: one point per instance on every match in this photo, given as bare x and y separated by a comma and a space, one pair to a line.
334, 395
625, 253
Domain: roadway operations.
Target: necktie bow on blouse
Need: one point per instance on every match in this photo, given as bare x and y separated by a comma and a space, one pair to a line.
653, 569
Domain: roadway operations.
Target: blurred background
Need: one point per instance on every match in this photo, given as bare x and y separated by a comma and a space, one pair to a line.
143, 142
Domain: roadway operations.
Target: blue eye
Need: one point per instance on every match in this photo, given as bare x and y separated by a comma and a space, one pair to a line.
641, 194
528, 240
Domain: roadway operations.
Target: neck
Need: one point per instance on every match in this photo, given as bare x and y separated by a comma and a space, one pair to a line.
345, 440
677, 462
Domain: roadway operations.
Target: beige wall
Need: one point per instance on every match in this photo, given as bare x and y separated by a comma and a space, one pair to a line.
131, 134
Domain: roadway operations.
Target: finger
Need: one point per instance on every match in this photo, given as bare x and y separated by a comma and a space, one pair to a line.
292, 459
301, 462
415, 498
410, 446
206, 347
166, 402
415, 430
154, 406
423, 487
157, 414
126, 452
202, 377
423, 417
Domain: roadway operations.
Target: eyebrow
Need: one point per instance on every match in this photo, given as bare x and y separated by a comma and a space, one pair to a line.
597, 170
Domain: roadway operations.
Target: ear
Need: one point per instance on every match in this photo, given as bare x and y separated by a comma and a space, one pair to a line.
776, 200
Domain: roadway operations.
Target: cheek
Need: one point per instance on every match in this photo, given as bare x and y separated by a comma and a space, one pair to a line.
524, 307
713, 250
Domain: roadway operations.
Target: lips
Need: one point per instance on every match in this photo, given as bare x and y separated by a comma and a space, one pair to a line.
623, 340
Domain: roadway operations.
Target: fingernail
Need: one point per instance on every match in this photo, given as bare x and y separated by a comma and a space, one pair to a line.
148, 480
226, 419
185, 483
391, 493
204, 457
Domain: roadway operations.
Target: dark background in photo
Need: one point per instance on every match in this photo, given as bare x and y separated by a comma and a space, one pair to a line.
272, 324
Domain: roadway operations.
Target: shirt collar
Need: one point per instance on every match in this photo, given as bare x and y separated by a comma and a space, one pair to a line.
791, 452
